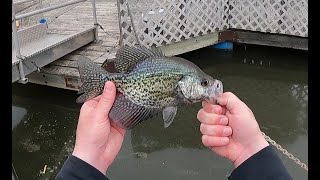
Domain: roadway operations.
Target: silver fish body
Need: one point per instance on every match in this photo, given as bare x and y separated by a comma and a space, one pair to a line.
148, 83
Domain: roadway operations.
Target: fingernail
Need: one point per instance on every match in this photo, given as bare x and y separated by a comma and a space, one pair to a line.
224, 120
227, 131
108, 87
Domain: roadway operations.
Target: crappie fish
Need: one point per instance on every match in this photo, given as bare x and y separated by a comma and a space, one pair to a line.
147, 83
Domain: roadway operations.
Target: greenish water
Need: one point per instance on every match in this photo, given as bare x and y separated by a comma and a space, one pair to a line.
273, 82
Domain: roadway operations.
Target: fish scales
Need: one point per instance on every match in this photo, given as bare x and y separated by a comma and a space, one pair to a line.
151, 84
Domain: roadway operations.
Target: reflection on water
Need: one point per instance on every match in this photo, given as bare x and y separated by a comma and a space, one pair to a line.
273, 82
17, 115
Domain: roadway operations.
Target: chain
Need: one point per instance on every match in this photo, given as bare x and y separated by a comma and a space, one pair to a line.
38, 68
284, 151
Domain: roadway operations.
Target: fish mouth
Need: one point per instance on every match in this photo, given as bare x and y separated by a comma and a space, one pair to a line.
212, 101
215, 92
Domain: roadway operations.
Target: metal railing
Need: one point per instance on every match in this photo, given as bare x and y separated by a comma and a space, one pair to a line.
15, 17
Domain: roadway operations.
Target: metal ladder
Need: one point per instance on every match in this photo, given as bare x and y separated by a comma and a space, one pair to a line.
34, 43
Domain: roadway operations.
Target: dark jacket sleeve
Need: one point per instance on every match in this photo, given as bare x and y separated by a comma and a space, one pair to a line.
75, 168
263, 165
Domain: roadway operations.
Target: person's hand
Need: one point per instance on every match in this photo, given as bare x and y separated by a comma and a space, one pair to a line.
98, 140
230, 129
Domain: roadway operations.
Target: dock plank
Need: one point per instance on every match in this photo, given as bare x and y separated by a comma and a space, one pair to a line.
64, 70
81, 17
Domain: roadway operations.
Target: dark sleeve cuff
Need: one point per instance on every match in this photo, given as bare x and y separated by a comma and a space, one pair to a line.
75, 168
263, 165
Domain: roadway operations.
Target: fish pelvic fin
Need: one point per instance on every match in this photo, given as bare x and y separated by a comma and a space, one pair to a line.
168, 115
93, 78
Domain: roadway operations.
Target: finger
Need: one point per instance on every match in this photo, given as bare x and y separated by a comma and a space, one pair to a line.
212, 141
91, 103
211, 118
97, 98
88, 106
107, 97
229, 100
214, 108
215, 130
118, 128
115, 141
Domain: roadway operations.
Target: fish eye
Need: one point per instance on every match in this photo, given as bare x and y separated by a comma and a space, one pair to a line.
204, 82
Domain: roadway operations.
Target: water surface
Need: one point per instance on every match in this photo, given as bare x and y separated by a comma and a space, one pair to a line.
272, 81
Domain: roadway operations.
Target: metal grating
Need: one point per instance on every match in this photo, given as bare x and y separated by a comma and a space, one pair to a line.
29, 34
47, 41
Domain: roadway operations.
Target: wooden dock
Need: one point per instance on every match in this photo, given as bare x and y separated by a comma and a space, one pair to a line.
175, 27
63, 73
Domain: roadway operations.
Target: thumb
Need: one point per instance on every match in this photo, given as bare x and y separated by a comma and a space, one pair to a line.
107, 97
229, 100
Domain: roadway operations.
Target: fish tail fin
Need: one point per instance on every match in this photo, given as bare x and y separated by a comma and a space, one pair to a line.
93, 78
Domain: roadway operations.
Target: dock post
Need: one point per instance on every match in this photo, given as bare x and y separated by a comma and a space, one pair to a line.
23, 79
95, 20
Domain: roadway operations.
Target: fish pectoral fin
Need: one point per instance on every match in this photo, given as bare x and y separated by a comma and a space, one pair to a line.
128, 114
168, 115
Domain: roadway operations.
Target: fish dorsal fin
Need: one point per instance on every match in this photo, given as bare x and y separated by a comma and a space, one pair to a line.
168, 115
129, 56
90, 75
128, 114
